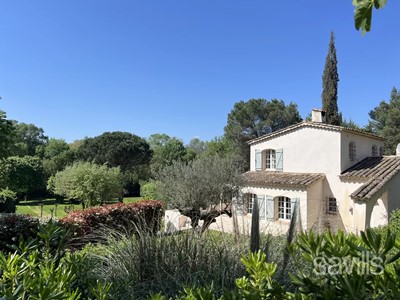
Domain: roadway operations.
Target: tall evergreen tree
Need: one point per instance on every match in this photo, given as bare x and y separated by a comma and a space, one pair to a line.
330, 79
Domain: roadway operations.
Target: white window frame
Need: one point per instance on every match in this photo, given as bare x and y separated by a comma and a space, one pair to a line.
270, 159
284, 208
352, 151
250, 204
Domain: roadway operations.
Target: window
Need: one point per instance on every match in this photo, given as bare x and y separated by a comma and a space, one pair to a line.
284, 208
374, 150
331, 206
381, 151
270, 159
352, 151
250, 203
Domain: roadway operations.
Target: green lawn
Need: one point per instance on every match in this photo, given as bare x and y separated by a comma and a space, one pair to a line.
33, 207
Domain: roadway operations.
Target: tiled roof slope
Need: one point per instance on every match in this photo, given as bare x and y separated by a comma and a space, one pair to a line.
377, 170
313, 125
265, 178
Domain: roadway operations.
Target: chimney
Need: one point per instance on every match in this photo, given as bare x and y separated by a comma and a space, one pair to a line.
318, 115
398, 150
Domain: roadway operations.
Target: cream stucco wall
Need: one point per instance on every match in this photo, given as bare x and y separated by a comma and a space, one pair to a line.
305, 150
315, 207
363, 148
317, 150
280, 226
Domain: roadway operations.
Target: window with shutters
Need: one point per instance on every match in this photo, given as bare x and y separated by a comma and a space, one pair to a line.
381, 151
250, 203
374, 150
270, 159
284, 208
352, 151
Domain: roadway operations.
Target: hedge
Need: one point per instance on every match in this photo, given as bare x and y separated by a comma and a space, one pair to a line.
13, 227
138, 217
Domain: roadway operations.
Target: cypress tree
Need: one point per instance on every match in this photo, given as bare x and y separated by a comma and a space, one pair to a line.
330, 79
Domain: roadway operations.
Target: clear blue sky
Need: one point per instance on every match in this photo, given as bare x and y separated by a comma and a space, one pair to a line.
79, 68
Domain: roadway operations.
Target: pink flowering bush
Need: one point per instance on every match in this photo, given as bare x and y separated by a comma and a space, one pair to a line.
138, 217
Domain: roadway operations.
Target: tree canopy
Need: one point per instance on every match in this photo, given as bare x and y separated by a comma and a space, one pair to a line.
23, 175
28, 139
257, 117
116, 149
330, 79
198, 188
385, 121
87, 182
6, 135
166, 150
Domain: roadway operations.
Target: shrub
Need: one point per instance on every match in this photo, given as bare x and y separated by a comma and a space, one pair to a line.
138, 267
149, 191
129, 218
41, 269
13, 227
7, 201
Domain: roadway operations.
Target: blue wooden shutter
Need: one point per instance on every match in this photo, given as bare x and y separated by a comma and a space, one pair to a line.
270, 208
279, 159
261, 206
258, 160
294, 204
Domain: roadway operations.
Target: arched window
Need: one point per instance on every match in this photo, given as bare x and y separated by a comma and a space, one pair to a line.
284, 208
270, 159
381, 151
352, 151
374, 150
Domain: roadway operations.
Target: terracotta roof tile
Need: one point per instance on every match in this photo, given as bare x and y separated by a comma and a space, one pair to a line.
267, 178
377, 170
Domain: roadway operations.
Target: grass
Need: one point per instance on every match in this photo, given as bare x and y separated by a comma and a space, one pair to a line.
33, 207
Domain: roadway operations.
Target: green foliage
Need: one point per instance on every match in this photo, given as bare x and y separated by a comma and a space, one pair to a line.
15, 227
7, 201
6, 135
255, 227
363, 13
87, 225
116, 149
23, 175
344, 266
57, 154
90, 183
148, 191
28, 139
385, 121
259, 283
198, 187
257, 117
166, 151
139, 267
330, 79
219, 146
197, 146
41, 269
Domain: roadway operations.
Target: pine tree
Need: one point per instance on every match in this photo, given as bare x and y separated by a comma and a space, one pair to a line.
330, 79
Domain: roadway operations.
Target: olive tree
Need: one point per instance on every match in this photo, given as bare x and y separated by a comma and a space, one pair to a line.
87, 182
202, 189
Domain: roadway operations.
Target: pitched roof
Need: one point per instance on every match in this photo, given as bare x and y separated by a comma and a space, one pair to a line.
287, 179
377, 170
314, 125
